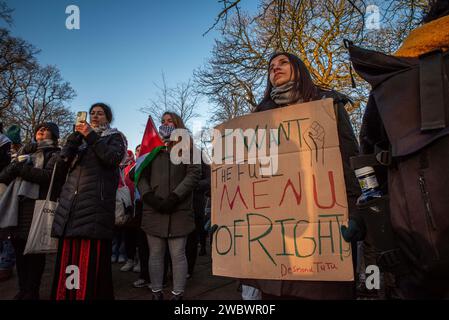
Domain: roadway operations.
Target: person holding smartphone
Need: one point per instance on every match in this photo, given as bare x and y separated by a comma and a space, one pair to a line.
84, 219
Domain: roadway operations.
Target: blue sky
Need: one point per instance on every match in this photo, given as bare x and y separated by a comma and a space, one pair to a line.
121, 49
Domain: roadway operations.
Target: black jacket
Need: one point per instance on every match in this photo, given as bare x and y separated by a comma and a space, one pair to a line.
87, 203
200, 192
35, 175
5, 155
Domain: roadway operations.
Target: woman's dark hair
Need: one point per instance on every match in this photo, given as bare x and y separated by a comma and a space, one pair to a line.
1, 127
177, 120
107, 110
437, 9
304, 87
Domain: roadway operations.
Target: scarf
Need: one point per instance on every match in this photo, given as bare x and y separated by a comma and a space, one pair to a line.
9, 201
104, 131
166, 131
428, 37
284, 95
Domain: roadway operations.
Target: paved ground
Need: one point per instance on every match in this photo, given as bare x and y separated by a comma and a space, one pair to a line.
202, 286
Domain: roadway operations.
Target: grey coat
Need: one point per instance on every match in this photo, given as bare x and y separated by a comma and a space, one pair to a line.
163, 177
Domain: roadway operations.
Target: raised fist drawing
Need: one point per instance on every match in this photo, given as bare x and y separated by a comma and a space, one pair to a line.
314, 139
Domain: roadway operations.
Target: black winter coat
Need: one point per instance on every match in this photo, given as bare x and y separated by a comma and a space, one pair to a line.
87, 203
35, 175
200, 192
5, 155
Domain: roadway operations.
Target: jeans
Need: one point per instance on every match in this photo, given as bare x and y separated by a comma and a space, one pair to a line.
7, 255
177, 251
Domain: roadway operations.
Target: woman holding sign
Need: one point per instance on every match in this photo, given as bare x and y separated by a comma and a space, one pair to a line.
289, 82
29, 178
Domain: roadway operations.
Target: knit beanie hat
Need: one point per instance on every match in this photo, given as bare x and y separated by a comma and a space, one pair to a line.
53, 127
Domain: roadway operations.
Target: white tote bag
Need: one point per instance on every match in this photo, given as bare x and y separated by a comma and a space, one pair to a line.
39, 239
122, 201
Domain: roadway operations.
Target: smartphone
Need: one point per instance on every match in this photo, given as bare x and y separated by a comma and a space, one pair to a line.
81, 116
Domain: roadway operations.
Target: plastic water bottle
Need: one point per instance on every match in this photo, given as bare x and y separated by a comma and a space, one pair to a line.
369, 185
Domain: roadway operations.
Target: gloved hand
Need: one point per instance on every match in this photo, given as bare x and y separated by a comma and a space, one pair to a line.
14, 168
169, 204
212, 230
355, 231
154, 201
74, 139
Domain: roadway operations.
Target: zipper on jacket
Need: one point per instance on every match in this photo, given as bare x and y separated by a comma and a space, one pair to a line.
431, 225
73, 202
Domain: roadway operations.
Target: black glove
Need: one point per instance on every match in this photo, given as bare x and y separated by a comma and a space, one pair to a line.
355, 231
212, 230
75, 139
169, 204
152, 200
14, 168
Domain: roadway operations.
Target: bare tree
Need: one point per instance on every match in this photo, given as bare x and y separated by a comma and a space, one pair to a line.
181, 99
314, 30
44, 96
6, 13
16, 61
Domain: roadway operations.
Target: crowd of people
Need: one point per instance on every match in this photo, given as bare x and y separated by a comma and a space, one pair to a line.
165, 223
88, 170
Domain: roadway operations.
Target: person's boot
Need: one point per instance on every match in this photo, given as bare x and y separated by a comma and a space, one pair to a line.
158, 295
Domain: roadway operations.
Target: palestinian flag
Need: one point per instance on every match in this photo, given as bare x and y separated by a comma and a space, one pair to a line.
149, 148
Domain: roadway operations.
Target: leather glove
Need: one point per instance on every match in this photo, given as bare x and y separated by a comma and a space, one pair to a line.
169, 204
152, 200
355, 231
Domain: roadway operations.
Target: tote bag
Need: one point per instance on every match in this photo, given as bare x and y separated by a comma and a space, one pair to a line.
39, 239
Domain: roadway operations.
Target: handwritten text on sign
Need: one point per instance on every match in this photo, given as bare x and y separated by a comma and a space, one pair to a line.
284, 225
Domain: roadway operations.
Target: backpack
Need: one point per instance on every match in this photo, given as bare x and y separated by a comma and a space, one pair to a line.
405, 130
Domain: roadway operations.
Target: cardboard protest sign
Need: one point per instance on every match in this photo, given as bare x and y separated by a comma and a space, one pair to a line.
285, 223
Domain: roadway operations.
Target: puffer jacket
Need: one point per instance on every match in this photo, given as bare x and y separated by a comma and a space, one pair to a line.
87, 202
163, 177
